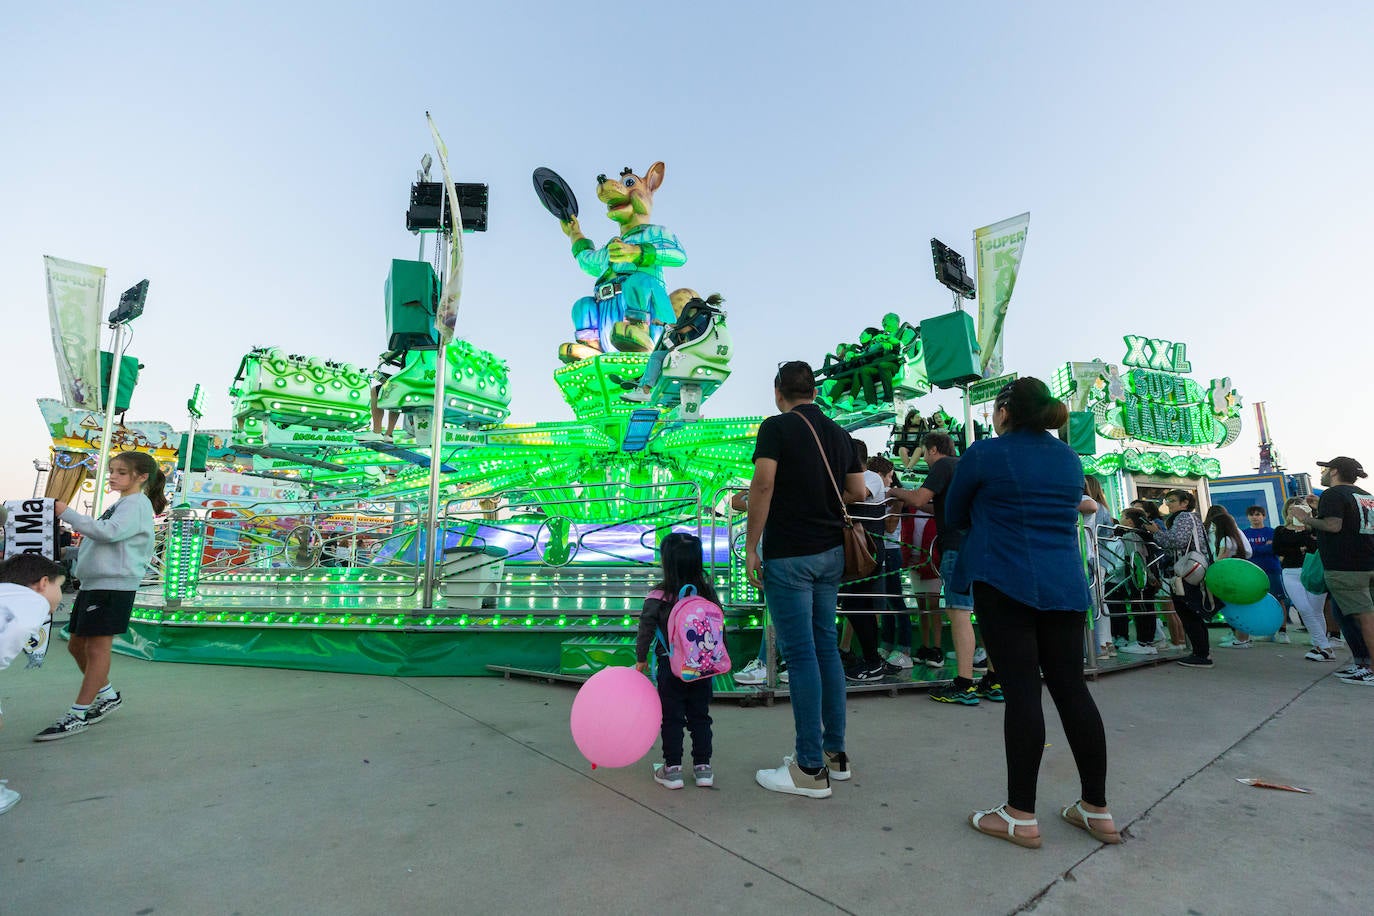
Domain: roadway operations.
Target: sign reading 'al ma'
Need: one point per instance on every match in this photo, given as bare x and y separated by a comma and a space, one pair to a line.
1154, 402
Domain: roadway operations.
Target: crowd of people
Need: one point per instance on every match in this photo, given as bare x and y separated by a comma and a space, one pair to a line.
1030, 543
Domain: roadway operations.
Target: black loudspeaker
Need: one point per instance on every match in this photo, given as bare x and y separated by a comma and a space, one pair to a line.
425, 204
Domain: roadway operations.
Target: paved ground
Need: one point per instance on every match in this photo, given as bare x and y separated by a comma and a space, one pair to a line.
245, 791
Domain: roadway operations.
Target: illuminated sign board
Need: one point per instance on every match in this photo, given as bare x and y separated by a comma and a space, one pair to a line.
1149, 399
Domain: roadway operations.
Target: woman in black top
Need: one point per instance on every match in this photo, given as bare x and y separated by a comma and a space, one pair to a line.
1293, 541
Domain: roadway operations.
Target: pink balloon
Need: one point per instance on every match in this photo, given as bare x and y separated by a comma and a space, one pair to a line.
616, 717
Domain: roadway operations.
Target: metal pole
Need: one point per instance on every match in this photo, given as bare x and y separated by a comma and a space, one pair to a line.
436, 438
184, 484
107, 433
968, 408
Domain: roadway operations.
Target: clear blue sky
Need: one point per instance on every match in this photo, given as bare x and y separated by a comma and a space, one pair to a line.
1193, 171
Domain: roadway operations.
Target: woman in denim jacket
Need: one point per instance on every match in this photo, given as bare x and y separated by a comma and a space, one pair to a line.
1019, 496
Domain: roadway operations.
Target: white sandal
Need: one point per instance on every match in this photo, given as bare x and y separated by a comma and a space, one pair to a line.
1029, 842
1084, 822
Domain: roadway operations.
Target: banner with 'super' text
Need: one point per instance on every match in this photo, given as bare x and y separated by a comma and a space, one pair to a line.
76, 294
447, 316
998, 249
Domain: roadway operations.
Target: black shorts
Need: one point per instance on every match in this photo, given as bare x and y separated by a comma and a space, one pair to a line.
101, 613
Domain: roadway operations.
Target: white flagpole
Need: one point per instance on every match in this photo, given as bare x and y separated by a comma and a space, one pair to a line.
107, 432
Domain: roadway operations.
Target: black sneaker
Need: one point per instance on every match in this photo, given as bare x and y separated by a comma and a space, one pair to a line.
934, 657
849, 660
101, 708
989, 689
865, 671
952, 693
1195, 661
837, 762
890, 669
64, 727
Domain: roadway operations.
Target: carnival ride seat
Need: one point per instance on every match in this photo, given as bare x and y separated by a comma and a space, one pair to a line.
476, 391
299, 391
697, 361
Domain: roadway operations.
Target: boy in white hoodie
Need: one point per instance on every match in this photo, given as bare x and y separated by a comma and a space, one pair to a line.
30, 590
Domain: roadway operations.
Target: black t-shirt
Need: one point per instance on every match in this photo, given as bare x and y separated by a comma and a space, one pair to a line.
937, 482
1351, 548
1292, 547
804, 515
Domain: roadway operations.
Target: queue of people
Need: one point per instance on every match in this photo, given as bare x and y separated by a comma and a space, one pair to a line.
1009, 520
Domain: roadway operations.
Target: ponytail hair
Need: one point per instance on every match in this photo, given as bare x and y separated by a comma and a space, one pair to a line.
1030, 406
155, 487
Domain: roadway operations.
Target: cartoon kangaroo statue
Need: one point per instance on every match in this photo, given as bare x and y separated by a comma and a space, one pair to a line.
629, 305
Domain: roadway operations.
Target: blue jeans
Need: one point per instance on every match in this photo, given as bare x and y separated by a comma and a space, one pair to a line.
896, 628
802, 593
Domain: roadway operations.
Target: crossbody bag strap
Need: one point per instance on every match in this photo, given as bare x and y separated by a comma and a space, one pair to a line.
828, 472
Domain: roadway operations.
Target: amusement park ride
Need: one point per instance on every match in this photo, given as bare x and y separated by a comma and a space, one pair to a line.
300, 536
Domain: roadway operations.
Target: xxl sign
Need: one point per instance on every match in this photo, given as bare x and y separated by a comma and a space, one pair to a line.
1154, 402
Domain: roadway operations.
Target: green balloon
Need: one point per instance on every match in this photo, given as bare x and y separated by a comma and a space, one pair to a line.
1237, 581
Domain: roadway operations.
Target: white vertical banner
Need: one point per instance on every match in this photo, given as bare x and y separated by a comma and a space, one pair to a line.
76, 295
447, 316
999, 249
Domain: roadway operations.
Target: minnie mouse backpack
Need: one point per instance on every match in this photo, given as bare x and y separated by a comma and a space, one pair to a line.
696, 637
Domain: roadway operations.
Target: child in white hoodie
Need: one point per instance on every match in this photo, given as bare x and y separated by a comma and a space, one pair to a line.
30, 590
115, 551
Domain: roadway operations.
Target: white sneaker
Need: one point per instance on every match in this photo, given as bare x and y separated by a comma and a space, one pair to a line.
980, 658
1178, 646
1346, 671
8, 797
1335, 640
784, 677
900, 659
1357, 674
1138, 648
790, 780
1365, 680
1320, 655
1282, 637
1239, 645
753, 673
1121, 642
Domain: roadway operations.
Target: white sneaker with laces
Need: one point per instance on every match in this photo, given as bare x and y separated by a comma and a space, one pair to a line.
1239, 645
1138, 648
753, 673
1366, 679
900, 659
1282, 637
1359, 674
1320, 655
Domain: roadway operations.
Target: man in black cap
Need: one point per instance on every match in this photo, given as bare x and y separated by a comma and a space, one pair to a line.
1345, 540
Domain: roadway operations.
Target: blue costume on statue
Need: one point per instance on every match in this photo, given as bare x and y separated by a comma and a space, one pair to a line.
626, 291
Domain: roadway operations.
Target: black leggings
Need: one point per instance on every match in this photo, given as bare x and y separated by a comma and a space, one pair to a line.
1194, 618
1127, 603
1023, 643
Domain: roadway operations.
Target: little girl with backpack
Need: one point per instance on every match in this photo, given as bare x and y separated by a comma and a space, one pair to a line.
683, 624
